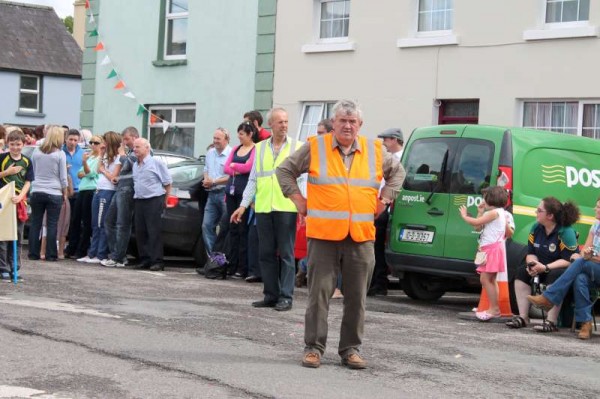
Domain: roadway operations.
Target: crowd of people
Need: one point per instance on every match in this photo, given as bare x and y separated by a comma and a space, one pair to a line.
263, 193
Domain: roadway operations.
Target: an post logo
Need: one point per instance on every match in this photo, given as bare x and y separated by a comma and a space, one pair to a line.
571, 176
467, 200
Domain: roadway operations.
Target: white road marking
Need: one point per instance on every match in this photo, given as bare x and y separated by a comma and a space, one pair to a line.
7, 391
63, 307
156, 274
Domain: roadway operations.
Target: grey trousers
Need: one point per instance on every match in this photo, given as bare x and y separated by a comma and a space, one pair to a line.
325, 260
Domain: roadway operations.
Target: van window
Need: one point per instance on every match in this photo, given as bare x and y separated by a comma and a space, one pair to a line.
424, 163
473, 167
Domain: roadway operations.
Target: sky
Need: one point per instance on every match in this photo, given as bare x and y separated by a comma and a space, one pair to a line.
62, 7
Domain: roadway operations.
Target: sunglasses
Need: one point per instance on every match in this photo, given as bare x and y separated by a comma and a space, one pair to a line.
95, 143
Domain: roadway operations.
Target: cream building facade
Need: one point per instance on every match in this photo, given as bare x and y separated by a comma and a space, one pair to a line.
413, 63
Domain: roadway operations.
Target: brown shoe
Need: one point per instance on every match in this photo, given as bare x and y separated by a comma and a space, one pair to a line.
586, 330
311, 359
354, 361
300, 279
540, 302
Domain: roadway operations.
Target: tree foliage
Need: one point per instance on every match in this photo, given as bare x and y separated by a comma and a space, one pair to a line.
68, 21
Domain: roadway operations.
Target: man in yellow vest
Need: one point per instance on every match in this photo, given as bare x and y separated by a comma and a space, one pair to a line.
344, 175
275, 215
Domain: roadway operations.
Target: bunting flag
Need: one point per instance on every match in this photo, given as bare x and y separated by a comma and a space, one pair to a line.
114, 71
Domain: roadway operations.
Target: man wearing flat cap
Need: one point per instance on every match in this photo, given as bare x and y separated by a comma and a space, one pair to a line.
393, 141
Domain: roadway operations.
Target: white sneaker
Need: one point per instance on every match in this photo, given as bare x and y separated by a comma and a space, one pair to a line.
93, 260
108, 263
121, 264
85, 259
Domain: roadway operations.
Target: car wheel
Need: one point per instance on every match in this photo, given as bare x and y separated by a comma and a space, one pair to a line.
200, 255
416, 287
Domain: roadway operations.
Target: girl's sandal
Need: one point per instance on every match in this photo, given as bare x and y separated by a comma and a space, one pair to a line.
546, 327
516, 322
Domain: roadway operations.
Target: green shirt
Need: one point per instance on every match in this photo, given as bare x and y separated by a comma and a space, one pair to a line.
89, 181
26, 174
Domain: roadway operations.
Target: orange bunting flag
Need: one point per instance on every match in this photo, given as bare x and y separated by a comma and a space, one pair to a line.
99, 46
120, 85
87, 4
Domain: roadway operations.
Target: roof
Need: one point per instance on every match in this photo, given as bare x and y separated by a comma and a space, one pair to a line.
34, 39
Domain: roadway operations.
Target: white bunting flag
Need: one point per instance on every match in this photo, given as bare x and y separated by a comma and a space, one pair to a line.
165, 126
129, 94
105, 61
91, 18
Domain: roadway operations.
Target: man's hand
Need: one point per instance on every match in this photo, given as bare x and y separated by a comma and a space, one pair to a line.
207, 183
13, 170
236, 216
300, 203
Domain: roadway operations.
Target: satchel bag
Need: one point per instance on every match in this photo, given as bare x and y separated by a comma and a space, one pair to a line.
480, 258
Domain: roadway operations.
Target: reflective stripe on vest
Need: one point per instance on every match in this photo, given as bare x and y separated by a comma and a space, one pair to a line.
341, 201
268, 193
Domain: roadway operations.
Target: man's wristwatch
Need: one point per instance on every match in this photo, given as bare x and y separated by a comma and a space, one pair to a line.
547, 268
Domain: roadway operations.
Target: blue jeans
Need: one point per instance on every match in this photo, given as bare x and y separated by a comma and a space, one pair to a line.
583, 275
118, 223
214, 212
100, 203
50, 204
276, 236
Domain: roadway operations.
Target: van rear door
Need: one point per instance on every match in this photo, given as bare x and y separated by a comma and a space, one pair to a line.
421, 210
471, 172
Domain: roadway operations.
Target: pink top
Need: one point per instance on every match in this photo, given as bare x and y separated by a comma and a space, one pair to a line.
239, 168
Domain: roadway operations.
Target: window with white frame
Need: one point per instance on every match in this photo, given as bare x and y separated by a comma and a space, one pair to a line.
590, 126
30, 93
172, 128
334, 19
312, 114
435, 15
580, 118
176, 29
561, 11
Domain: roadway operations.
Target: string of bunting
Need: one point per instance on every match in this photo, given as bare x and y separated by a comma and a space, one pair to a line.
114, 73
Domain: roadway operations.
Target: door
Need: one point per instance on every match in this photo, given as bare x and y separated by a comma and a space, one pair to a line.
470, 173
421, 209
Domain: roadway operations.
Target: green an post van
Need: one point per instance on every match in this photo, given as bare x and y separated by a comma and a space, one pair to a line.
430, 248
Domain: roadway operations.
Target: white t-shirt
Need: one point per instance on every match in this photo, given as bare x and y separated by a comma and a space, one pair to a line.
103, 182
494, 230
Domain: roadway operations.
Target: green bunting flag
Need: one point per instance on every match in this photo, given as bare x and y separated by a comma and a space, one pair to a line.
112, 74
140, 110
94, 33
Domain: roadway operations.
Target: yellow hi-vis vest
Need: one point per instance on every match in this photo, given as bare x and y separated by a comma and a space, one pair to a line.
342, 202
268, 193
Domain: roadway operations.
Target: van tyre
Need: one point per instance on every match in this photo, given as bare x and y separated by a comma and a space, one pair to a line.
416, 287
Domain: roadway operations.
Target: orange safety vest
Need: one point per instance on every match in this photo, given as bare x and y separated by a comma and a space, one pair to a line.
341, 201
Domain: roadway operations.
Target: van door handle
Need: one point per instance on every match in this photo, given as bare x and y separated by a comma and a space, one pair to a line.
435, 212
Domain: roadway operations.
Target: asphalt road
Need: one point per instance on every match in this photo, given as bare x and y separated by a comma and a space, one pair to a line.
78, 331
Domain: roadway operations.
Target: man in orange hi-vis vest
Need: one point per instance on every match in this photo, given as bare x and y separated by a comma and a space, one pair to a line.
344, 174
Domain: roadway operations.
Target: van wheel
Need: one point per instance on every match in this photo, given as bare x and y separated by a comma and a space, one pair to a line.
199, 253
416, 287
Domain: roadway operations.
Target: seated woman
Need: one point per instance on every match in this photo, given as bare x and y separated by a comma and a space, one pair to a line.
551, 244
583, 275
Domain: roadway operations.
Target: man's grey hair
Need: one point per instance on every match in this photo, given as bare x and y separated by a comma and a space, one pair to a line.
274, 110
347, 107
224, 131
145, 142
326, 123
131, 131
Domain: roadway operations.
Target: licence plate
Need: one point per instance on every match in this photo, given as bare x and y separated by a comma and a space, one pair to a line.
422, 236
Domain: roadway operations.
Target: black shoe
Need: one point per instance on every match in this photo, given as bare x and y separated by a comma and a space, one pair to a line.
282, 306
253, 279
377, 291
157, 267
138, 266
200, 270
32, 257
264, 304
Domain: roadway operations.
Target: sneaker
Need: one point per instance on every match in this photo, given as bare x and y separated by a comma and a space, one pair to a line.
121, 264
93, 260
85, 259
108, 263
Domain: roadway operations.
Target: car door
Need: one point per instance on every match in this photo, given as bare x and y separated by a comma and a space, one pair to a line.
420, 212
471, 172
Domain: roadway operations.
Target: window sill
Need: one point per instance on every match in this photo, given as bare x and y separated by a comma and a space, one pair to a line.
30, 114
446, 40
328, 47
169, 63
560, 33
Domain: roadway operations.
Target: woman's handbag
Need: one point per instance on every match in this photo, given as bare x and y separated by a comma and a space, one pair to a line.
480, 258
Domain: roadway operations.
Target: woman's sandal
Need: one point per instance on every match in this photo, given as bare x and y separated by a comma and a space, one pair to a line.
546, 327
516, 322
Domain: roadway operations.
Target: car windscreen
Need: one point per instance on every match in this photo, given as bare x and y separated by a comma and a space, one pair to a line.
186, 173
